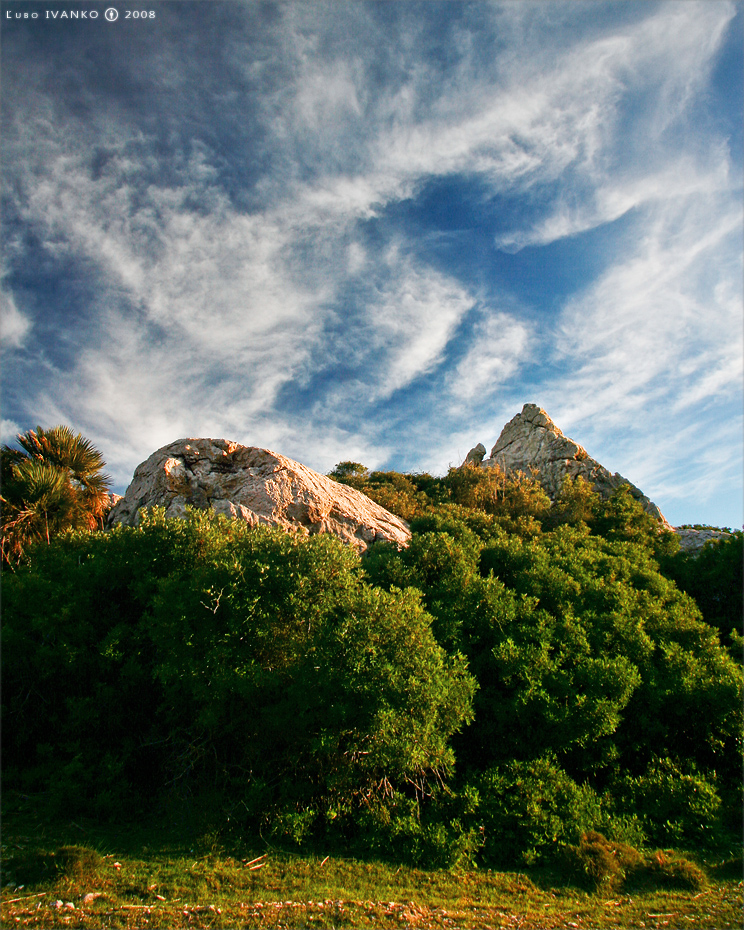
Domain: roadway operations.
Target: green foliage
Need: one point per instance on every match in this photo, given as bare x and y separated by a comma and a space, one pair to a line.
214, 657
438, 565
714, 577
581, 649
522, 675
674, 805
517, 502
398, 493
530, 810
407, 496
352, 473
294, 670
622, 517
436, 832
476, 488
604, 612
577, 502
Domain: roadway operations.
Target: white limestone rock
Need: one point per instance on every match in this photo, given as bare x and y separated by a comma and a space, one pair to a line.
531, 443
693, 540
258, 486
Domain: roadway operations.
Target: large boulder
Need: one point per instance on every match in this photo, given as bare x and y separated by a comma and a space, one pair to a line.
258, 486
531, 443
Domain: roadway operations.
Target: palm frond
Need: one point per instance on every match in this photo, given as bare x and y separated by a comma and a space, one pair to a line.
55, 483
39, 479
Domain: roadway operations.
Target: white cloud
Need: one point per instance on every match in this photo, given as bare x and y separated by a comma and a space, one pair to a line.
413, 322
652, 354
617, 195
14, 325
208, 309
9, 431
660, 307
500, 343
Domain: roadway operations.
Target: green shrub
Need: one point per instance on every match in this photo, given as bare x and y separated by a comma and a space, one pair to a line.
621, 517
529, 810
578, 502
278, 683
674, 805
438, 831
510, 497
202, 656
621, 647
714, 577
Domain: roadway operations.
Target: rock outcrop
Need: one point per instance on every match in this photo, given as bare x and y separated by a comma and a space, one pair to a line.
257, 486
693, 540
531, 443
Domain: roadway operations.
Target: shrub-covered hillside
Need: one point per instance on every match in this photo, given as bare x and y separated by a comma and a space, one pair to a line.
524, 673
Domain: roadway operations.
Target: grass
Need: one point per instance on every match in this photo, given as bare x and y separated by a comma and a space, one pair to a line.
77, 875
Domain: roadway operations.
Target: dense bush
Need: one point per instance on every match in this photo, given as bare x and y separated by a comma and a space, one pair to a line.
200, 656
530, 810
522, 675
585, 654
674, 805
611, 639
715, 579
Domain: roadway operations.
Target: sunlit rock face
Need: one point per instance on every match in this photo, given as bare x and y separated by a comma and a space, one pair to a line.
258, 486
531, 443
693, 540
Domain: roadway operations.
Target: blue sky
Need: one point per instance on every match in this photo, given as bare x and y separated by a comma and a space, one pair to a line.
373, 231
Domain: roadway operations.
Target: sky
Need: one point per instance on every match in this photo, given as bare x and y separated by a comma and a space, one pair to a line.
374, 231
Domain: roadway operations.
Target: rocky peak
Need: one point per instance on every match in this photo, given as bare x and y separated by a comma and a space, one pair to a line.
531, 443
531, 439
255, 485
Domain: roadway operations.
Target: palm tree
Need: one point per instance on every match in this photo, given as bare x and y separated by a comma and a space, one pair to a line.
54, 483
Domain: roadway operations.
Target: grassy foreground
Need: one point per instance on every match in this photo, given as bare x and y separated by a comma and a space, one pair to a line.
75, 875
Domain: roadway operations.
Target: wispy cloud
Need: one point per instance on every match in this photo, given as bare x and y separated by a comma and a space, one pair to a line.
14, 325
499, 344
234, 212
9, 431
661, 320
413, 322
